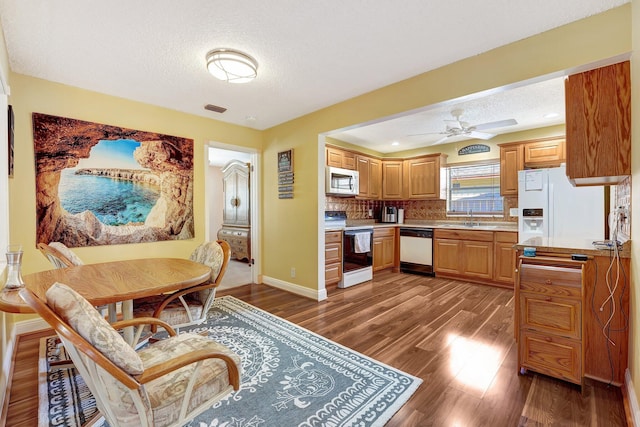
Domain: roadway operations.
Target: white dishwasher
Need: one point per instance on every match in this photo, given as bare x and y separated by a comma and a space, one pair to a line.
416, 250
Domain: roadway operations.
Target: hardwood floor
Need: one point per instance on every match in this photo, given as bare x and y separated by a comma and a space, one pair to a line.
456, 336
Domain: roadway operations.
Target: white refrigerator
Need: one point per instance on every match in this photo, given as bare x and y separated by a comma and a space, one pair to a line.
549, 206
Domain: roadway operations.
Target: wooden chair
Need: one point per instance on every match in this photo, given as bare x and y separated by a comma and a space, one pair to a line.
59, 254
166, 383
189, 306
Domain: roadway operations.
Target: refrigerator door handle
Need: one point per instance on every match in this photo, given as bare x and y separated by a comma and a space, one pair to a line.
551, 210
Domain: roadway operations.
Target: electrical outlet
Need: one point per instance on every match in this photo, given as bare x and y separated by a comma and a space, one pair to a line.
513, 211
293, 272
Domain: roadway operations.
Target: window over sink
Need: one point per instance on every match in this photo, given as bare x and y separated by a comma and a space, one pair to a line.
474, 188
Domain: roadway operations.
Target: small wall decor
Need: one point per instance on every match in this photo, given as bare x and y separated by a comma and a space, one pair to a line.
285, 174
99, 184
474, 149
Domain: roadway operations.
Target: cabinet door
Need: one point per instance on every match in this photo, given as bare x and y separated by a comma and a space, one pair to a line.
598, 125
447, 256
392, 179
375, 178
551, 355
242, 197
477, 259
334, 157
229, 211
504, 257
551, 315
547, 153
363, 176
378, 253
511, 161
388, 252
423, 178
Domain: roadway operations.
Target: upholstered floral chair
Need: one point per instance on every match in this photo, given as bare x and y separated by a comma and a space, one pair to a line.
189, 306
166, 383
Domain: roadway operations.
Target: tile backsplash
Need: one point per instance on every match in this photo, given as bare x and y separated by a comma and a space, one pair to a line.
357, 209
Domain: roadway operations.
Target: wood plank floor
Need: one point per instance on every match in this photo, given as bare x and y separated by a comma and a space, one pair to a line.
456, 336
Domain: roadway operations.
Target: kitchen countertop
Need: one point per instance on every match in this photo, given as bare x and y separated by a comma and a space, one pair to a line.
570, 246
483, 226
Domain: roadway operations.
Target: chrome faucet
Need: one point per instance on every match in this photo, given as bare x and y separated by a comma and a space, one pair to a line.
469, 221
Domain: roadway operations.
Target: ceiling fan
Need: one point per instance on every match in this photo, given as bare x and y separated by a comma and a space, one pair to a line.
459, 128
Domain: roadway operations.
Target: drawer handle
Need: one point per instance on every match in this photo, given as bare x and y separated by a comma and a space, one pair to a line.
548, 282
548, 299
547, 339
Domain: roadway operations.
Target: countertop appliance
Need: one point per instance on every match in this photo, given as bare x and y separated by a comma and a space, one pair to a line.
357, 256
389, 214
416, 251
341, 182
549, 206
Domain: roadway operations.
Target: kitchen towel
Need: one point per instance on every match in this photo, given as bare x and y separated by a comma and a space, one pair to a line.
362, 242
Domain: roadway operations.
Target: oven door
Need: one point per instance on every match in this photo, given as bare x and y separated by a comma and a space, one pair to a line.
355, 253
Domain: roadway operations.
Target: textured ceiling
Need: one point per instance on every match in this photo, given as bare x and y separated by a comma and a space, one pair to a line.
310, 54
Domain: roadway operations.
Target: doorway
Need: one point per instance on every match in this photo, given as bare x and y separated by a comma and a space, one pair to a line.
217, 155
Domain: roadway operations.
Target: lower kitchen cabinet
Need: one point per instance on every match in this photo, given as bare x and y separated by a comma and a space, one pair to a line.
504, 258
332, 257
549, 316
463, 253
384, 248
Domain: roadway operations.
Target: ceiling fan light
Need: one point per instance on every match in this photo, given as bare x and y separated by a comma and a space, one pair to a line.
232, 66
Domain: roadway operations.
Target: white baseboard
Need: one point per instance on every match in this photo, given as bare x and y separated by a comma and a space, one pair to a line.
316, 294
633, 399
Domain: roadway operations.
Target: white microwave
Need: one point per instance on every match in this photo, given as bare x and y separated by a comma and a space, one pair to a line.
341, 182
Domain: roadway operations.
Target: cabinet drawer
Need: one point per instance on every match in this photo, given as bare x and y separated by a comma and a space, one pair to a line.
550, 355
506, 237
384, 231
551, 280
552, 315
332, 273
332, 253
482, 236
333, 237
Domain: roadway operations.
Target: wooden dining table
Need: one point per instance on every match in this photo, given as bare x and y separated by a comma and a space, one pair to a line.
112, 282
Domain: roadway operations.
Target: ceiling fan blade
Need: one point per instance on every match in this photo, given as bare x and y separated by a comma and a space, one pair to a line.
427, 133
440, 141
498, 124
481, 135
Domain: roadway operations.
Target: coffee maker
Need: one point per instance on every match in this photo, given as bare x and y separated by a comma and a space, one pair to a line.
389, 214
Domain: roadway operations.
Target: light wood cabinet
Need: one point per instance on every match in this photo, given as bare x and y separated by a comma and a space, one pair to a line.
340, 158
598, 125
392, 185
423, 177
504, 258
239, 240
511, 161
332, 257
370, 177
549, 308
384, 245
464, 253
544, 153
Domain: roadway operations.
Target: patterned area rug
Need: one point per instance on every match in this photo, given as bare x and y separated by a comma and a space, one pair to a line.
290, 377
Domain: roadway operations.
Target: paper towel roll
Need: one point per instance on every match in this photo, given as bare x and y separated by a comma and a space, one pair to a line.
400, 216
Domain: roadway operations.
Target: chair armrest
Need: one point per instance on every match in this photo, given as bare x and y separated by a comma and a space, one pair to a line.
144, 321
178, 294
156, 371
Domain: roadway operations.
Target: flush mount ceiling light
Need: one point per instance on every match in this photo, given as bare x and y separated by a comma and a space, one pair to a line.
231, 65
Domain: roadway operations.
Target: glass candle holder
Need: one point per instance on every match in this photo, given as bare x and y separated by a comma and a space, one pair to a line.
14, 267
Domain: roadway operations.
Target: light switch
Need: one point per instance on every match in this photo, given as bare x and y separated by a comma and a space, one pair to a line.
513, 211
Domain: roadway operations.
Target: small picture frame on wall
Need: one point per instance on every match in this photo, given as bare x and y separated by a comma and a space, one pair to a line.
285, 161
10, 138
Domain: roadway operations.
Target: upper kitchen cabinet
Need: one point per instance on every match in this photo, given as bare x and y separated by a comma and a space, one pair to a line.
423, 177
598, 123
370, 177
544, 153
340, 158
392, 180
511, 161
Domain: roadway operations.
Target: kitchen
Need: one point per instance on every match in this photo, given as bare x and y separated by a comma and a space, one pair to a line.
527, 243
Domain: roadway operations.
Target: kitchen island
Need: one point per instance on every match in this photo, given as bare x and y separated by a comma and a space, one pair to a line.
595, 319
